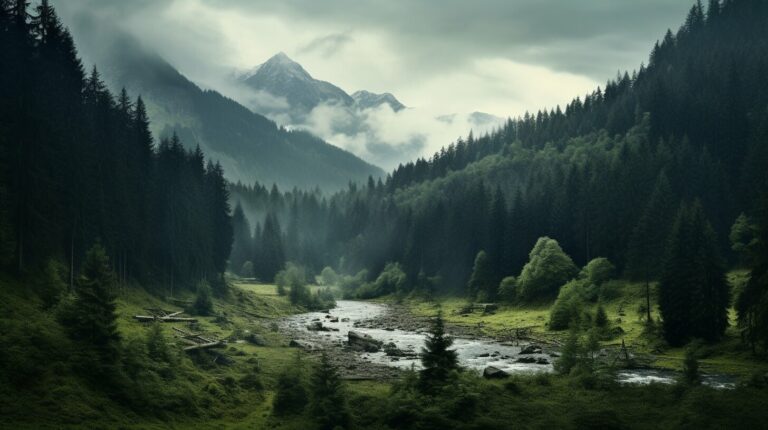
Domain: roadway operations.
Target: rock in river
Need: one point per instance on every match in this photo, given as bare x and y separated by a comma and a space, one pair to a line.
363, 342
491, 372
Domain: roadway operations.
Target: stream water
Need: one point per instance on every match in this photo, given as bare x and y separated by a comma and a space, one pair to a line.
474, 354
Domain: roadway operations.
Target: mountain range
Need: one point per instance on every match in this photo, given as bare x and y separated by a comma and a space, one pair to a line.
249, 146
287, 80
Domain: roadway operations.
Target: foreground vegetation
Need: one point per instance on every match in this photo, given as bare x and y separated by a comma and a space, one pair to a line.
159, 386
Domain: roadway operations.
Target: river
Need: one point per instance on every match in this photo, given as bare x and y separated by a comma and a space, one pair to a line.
473, 353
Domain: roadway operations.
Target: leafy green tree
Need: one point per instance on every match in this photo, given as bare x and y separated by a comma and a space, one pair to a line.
693, 294
566, 312
482, 285
203, 304
438, 361
508, 289
752, 303
294, 278
597, 271
328, 404
547, 269
328, 277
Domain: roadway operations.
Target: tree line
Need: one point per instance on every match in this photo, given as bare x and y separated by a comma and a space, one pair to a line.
78, 166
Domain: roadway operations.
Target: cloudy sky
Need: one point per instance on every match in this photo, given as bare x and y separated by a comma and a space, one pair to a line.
439, 56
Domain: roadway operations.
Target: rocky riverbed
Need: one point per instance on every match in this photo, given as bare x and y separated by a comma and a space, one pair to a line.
368, 340
375, 341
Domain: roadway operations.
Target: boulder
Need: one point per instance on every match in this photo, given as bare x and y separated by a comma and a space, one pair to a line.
317, 326
302, 344
531, 349
542, 360
363, 342
527, 360
492, 372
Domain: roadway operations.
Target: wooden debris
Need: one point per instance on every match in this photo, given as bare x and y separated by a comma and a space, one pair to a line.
197, 341
163, 316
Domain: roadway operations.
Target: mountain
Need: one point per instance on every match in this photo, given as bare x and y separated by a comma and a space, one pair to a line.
249, 146
367, 100
284, 78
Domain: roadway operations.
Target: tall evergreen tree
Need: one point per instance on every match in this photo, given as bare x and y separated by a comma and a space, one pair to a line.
649, 238
438, 360
241, 247
328, 403
91, 318
693, 293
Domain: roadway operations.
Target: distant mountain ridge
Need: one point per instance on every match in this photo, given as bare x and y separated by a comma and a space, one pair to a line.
282, 77
250, 147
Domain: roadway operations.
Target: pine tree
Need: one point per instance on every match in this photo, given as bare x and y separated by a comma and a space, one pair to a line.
241, 246
92, 319
693, 292
649, 238
438, 360
327, 398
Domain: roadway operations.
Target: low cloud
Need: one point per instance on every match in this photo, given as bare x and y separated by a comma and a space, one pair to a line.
326, 46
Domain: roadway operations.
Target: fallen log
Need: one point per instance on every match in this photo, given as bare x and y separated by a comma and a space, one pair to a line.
149, 318
217, 344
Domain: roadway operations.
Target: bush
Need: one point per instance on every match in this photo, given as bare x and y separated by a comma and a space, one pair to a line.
203, 304
328, 277
568, 306
547, 269
51, 284
601, 318
508, 289
391, 280
247, 270
598, 271
291, 396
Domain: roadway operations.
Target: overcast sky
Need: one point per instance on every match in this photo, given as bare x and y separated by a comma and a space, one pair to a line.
442, 56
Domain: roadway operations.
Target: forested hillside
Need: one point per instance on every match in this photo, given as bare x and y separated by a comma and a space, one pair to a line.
606, 176
79, 167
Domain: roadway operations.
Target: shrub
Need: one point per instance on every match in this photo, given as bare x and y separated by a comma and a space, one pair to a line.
568, 306
247, 270
598, 271
203, 304
508, 289
547, 269
328, 277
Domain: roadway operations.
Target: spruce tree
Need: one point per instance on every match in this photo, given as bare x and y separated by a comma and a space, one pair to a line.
328, 403
91, 319
693, 292
649, 238
241, 246
438, 360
